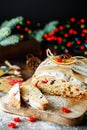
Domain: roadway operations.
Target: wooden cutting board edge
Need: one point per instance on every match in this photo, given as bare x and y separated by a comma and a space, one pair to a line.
60, 120
43, 115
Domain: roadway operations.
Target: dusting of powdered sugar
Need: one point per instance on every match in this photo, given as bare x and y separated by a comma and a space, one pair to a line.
5, 118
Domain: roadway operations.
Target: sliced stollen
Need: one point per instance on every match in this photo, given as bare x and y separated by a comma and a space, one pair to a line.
14, 99
59, 87
33, 96
57, 79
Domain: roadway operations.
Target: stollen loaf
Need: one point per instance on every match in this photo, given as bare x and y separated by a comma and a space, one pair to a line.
60, 79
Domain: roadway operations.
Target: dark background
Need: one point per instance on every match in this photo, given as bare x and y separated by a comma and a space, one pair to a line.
43, 10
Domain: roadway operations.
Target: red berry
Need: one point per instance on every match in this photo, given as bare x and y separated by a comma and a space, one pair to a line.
50, 34
74, 32
45, 36
82, 34
66, 35
55, 30
82, 20
17, 119
65, 110
14, 81
84, 30
68, 44
44, 81
59, 60
78, 42
72, 19
26, 29
12, 125
82, 47
71, 31
61, 27
31, 119
18, 26
60, 39
28, 22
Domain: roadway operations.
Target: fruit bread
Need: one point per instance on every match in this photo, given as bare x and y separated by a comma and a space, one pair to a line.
61, 79
33, 96
14, 98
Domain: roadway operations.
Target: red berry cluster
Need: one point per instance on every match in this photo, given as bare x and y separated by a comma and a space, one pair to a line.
13, 124
17, 119
24, 28
69, 37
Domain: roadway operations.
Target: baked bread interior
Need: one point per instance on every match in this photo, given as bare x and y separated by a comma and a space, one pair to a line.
60, 79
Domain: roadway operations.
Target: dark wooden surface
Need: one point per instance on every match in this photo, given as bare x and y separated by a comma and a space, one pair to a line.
19, 50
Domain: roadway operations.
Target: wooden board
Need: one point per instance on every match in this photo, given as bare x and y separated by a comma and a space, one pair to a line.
53, 113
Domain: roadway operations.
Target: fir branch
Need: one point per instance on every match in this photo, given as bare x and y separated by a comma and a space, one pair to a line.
11, 40
4, 32
12, 23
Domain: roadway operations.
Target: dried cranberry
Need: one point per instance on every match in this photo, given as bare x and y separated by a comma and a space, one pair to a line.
65, 110
14, 81
31, 119
44, 81
17, 119
12, 125
59, 60
36, 85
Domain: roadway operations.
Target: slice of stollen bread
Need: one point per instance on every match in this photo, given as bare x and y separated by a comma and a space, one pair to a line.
55, 79
14, 99
59, 87
33, 96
